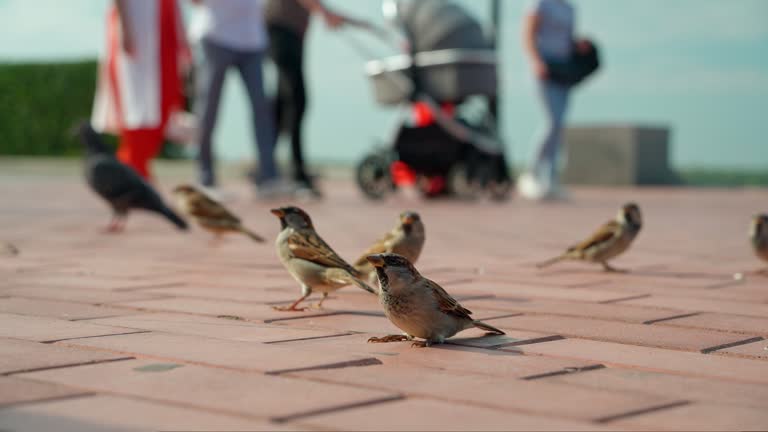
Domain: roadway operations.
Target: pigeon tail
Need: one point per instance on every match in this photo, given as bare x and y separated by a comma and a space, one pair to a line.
174, 218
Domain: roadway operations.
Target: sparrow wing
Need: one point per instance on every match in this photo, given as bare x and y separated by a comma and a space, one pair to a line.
380, 246
606, 232
203, 206
308, 245
446, 303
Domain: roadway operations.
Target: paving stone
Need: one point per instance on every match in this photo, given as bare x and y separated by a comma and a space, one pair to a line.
699, 416
535, 396
463, 359
110, 413
41, 329
674, 386
80, 295
15, 390
217, 352
57, 309
19, 355
615, 312
537, 290
633, 334
427, 415
219, 328
690, 304
723, 322
655, 359
756, 350
221, 390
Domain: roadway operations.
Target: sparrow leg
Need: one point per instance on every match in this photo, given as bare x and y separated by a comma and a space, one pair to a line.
319, 305
607, 267
390, 338
292, 307
422, 344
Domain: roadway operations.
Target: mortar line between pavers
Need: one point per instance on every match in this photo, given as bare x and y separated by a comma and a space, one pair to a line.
622, 299
68, 365
339, 408
528, 341
642, 411
564, 371
311, 338
365, 361
149, 286
732, 344
47, 399
674, 317
368, 361
96, 336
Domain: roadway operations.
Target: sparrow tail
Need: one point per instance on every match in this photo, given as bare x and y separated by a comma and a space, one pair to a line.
363, 285
551, 261
174, 218
255, 237
487, 327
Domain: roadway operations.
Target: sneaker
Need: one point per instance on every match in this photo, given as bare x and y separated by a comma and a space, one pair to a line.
275, 189
537, 189
306, 190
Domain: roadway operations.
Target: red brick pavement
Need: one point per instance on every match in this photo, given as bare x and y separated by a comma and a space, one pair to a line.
154, 329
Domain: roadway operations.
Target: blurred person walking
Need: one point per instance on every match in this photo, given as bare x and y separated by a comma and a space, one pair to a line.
287, 23
139, 84
231, 34
548, 38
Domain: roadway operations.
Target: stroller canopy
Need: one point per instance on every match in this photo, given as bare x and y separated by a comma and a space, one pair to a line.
440, 24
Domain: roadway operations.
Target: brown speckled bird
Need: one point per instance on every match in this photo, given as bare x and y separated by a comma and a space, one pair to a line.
406, 239
210, 214
611, 240
418, 306
309, 259
759, 237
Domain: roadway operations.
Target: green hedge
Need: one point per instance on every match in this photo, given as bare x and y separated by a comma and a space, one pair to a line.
41, 102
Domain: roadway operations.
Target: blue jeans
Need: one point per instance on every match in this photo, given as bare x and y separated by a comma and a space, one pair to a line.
554, 99
217, 60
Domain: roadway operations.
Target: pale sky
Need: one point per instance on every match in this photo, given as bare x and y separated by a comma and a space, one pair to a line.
697, 66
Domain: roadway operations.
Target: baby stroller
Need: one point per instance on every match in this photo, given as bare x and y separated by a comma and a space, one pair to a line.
436, 147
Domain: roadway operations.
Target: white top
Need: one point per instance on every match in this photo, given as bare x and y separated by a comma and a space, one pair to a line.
234, 24
554, 38
133, 99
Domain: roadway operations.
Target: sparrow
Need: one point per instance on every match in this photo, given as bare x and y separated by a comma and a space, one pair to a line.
210, 214
406, 239
611, 240
759, 236
309, 259
118, 184
417, 305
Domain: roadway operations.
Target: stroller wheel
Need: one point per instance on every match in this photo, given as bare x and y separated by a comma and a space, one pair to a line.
373, 176
459, 184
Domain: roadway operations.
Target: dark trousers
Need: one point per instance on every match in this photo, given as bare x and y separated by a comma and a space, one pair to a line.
287, 51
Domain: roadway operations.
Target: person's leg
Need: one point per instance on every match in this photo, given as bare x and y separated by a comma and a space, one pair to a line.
210, 80
138, 147
554, 99
287, 50
250, 66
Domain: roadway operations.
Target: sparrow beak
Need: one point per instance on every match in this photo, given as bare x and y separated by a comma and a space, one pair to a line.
375, 260
408, 220
277, 212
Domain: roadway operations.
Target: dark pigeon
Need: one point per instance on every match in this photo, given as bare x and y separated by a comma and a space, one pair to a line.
119, 184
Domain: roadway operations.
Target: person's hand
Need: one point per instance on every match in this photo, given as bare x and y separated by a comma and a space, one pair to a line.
333, 20
127, 44
540, 69
583, 46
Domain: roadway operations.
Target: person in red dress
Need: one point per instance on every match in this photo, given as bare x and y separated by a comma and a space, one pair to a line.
140, 85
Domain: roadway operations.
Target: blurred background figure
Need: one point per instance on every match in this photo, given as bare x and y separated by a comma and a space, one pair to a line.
232, 33
139, 83
548, 36
288, 21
